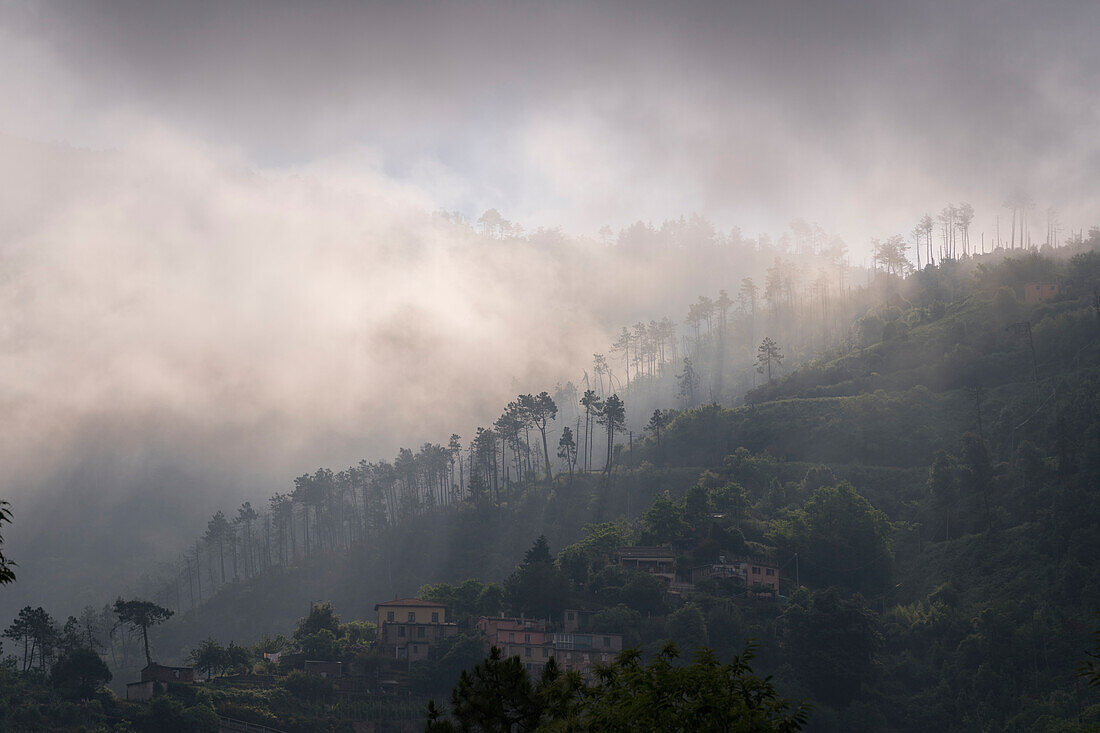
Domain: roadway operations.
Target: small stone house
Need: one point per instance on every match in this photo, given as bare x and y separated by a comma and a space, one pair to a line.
157, 676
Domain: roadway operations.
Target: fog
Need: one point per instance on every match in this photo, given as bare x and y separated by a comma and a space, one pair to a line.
221, 265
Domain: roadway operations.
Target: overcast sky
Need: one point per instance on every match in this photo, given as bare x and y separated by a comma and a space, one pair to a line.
854, 114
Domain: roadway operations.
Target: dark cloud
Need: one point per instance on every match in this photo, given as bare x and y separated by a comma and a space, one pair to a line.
753, 111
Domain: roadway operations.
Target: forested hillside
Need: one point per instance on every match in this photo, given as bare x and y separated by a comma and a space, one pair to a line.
926, 486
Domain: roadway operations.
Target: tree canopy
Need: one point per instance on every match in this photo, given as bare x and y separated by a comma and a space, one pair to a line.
138, 614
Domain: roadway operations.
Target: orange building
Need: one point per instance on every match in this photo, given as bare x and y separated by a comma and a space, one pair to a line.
1040, 292
409, 627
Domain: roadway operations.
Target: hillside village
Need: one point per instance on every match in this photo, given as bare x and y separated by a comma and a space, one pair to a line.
407, 631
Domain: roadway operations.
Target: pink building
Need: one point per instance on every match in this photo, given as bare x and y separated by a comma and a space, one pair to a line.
760, 575
529, 640
502, 631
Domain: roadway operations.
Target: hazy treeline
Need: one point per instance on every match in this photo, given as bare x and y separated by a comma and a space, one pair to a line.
573, 429
541, 303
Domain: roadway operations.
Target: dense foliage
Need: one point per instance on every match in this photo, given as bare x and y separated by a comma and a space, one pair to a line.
926, 485
627, 695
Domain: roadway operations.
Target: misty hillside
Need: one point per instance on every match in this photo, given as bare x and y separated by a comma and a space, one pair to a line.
541, 366
927, 394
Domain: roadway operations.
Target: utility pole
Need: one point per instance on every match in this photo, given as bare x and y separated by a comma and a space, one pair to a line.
1034, 361
190, 585
1020, 329
978, 393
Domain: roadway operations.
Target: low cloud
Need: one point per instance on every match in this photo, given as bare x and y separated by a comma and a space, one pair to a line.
261, 312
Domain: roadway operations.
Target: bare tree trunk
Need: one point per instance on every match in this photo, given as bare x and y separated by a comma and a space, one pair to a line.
546, 455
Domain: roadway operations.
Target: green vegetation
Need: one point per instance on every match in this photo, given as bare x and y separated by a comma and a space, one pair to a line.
627, 695
925, 488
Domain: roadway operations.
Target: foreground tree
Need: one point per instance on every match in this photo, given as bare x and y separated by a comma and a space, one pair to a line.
538, 587
141, 615
688, 380
7, 575
592, 406
768, 355
614, 419
208, 658
498, 695
654, 426
663, 521
542, 410
211, 657
80, 673
35, 629
567, 450
628, 695
842, 538
318, 634
703, 696
830, 640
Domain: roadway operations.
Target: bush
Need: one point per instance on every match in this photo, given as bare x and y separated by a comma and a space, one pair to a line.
309, 688
80, 673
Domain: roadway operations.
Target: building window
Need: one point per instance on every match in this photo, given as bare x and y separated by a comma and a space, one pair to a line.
526, 638
400, 630
545, 653
412, 616
389, 615
435, 617
572, 616
526, 651
756, 571
511, 636
607, 641
770, 571
416, 648
419, 632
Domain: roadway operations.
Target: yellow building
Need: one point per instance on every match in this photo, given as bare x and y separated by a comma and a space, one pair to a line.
408, 627
410, 611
